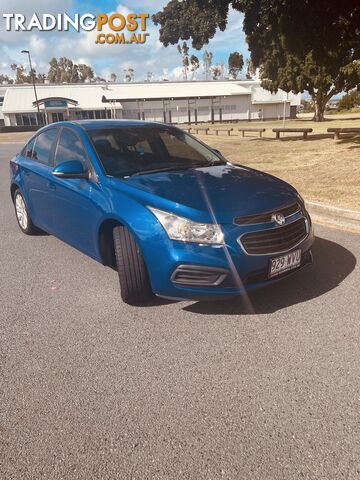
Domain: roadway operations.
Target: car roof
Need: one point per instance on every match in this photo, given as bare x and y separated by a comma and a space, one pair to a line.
100, 124
89, 125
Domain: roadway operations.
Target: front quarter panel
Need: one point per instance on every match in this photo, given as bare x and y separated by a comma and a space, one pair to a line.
17, 168
147, 231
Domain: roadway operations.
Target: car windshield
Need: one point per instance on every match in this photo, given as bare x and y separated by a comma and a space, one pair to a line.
129, 151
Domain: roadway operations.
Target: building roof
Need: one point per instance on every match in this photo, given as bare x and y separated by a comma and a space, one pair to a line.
19, 98
166, 90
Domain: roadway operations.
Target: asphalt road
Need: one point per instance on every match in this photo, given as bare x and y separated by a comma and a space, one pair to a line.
91, 388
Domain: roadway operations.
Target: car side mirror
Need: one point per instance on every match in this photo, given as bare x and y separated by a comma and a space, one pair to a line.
71, 169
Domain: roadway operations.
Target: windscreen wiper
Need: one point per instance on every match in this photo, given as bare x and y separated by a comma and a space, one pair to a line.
164, 169
214, 161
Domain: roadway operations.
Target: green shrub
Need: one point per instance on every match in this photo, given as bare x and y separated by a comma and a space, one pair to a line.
350, 100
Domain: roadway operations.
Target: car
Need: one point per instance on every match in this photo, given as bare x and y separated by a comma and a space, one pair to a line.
169, 213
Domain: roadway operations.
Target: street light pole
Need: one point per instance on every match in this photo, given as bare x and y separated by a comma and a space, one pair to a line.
284, 113
33, 82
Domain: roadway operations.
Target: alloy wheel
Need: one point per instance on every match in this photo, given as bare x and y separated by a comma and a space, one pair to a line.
21, 212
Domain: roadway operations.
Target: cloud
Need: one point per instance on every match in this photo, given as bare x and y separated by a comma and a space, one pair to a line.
105, 59
12, 42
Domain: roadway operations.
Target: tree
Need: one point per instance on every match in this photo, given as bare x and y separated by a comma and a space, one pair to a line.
69, 72
216, 71
308, 106
40, 78
5, 79
184, 52
86, 73
113, 77
129, 74
236, 63
350, 100
194, 65
22, 77
65, 70
54, 71
299, 46
251, 70
207, 57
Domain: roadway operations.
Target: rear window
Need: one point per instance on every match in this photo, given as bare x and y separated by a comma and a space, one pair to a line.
28, 149
44, 143
125, 151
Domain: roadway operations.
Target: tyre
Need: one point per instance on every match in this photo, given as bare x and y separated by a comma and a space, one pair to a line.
133, 275
22, 215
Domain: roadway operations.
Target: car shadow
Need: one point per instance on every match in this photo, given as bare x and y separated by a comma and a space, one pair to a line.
332, 264
41, 233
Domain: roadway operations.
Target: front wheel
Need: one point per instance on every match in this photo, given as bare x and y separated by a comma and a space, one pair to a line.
133, 276
22, 215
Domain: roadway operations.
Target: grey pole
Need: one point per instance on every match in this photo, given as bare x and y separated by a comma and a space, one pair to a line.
33, 82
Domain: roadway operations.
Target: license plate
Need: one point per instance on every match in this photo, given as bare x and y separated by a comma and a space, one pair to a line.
284, 263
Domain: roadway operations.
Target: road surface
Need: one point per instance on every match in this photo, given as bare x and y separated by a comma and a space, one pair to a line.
91, 388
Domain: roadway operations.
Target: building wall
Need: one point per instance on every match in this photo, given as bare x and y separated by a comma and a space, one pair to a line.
9, 119
177, 111
259, 94
252, 103
263, 111
2, 95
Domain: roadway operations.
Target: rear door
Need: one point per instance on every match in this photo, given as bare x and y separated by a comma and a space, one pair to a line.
75, 202
36, 173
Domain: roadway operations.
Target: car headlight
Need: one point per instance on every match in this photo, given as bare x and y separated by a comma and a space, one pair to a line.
185, 230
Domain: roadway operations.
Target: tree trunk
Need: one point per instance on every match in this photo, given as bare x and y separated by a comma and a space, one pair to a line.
319, 112
320, 100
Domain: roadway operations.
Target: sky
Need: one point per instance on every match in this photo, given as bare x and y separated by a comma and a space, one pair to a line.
105, 59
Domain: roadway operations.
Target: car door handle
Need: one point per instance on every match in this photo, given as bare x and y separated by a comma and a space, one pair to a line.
52, 186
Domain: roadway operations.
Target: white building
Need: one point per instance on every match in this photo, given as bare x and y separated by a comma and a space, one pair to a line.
2, 95
171, 102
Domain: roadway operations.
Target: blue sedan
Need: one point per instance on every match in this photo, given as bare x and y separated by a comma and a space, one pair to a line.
170, 214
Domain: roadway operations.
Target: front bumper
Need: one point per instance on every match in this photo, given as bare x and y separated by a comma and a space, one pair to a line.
217, 271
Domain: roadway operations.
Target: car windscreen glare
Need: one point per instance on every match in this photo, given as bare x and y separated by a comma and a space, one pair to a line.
127, 151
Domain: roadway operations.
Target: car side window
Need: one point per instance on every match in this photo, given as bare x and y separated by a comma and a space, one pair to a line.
70, 148
43, 146
28, 149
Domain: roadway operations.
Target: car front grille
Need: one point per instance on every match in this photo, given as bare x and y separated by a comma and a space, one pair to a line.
267, 217
274, 240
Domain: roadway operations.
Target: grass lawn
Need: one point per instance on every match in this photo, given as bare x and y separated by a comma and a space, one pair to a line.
320, 168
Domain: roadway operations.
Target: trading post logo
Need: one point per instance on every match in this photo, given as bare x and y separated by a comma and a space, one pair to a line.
112, 29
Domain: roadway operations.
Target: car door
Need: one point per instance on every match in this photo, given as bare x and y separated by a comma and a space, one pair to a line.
75, 202
36, 175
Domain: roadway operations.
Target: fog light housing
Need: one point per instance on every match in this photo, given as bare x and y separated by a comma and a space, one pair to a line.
197, 275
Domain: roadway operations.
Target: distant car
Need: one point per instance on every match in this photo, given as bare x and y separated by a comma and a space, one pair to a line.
172, 215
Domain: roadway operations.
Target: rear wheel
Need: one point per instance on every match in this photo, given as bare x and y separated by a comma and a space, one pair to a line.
133, 276
22, 215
